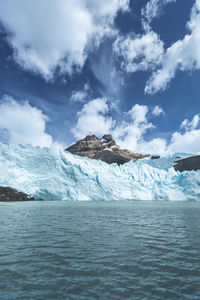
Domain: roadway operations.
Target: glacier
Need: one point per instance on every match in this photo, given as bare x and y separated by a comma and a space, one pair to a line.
54, 174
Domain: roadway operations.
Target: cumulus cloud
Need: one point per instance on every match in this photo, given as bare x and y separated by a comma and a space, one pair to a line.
187, 142
157, 111
190, 125
81, 95
20, 123
183, 55
187, 139
147, 53
140, 52
132, 135
48, 35
93, 119
131, 132
138, 113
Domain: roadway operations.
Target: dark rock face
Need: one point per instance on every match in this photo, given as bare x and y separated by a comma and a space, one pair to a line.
188, 164
155, 157
104, 149
111, 157
9, 194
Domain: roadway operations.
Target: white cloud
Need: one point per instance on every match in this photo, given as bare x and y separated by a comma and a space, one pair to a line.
51, 34
183, 55
195, 16
20, 123
152, 10
146, 52
189, 139
81, 95
140, 52
78, 96
93, 119
138, 113
187, 125
188, 142
131, 133
157, 111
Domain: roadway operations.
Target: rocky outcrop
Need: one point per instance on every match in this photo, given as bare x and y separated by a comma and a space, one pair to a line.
188, 164
104, 149
9, 194
111, 157
155, 157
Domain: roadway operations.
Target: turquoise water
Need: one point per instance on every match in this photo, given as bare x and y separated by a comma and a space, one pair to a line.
100, 250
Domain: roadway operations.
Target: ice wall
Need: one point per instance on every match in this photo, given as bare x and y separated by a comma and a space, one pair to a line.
52, 174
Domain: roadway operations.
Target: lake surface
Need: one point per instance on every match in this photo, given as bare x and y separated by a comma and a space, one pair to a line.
100, 250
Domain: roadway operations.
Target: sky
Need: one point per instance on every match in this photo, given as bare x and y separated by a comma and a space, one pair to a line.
77, 67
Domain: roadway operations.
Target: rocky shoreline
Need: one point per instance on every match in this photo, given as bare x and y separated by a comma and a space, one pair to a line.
8, 194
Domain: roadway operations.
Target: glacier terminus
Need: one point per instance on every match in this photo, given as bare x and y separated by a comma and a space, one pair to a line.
54, 174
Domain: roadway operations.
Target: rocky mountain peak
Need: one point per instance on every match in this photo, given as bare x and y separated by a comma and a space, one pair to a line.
108, 138
104, 149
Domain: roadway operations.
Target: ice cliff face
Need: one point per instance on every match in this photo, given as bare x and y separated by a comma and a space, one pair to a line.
52, 174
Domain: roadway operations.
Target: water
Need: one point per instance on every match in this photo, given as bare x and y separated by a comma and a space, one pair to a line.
100, 250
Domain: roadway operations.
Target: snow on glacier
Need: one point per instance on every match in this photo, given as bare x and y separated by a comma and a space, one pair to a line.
53, 174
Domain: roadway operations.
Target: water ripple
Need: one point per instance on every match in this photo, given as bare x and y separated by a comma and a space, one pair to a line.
62, 250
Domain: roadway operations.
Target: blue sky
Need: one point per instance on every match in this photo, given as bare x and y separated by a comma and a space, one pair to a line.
129, 68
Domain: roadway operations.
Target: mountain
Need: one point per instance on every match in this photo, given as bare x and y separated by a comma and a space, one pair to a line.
104, 149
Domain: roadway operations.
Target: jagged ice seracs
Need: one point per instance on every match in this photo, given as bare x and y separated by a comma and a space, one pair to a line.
53, 174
